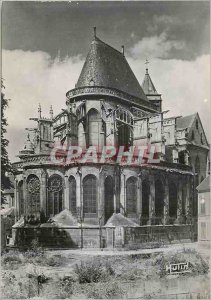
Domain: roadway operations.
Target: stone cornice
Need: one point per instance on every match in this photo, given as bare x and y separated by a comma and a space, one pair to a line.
99, 90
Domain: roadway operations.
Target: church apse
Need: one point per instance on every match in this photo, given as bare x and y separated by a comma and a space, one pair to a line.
108, 107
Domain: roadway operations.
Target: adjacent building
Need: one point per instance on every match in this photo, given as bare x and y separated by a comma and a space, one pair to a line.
204, 210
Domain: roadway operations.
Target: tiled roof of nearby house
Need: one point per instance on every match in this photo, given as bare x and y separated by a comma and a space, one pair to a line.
204, 186
107, 67
148, 86
185, 122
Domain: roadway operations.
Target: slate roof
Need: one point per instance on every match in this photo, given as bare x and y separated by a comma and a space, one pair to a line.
185, 122
107, 67
204, 186
148, 86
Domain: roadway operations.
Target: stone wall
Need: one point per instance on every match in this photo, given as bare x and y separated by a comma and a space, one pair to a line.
110, 237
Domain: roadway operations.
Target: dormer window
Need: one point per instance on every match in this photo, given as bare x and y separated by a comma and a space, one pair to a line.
91, 83
197, 124
192, 136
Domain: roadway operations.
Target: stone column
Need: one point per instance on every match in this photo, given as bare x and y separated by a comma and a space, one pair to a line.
43, 193
79, 200
17, 209
188, 203
166, 202
25, 195
151, 200
66, 193
123, 195
139, 199
179, 203
117, 190
101, 197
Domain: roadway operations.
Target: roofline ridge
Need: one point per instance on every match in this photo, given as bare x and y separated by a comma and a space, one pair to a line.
96, 39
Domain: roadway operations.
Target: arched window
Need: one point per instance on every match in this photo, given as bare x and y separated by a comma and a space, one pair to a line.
109, 197
81, 135
20, 198
197, 124
172, 202
192, 136
159, 201
124, 135
72, 195
33, 194
96, 136
55, 195
90, 194
131, 195
145, 202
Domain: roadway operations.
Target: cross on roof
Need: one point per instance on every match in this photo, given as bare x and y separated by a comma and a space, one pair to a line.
146, 63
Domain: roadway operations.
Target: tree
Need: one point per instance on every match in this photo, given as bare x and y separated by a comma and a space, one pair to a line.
5, 163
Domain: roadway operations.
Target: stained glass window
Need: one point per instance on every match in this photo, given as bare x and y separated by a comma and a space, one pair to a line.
90, 194
33, 194
55, 195
131, 195
72, 194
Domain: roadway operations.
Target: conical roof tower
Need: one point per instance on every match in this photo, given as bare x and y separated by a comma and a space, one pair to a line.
107, 72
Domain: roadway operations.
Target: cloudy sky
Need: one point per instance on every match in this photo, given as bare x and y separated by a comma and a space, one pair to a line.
45, 44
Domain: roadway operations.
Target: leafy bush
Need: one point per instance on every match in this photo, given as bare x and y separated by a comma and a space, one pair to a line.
66, 287
11, 259
17, 288
93, 271
109, 290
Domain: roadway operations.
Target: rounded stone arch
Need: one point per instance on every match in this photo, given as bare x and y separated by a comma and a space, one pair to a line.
55, 195
131, 195
90, 195
173, 199
33, 194
108, 197
159, 200
20, 198
72, 195
145, 201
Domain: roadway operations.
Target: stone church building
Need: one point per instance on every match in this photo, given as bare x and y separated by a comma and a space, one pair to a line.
109, 204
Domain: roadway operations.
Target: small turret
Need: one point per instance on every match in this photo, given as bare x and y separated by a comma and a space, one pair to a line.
150, 90
28, 147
